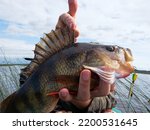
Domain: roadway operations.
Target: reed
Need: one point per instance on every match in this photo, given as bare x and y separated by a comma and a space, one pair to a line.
9, 77
9, 80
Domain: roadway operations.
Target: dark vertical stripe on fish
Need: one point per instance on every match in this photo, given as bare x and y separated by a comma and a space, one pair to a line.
37, 91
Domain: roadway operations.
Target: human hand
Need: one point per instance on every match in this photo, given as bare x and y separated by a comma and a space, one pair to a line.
84, 95
82, 99
68, 19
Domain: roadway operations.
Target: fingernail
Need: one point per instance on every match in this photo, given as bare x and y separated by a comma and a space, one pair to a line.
70, 1
71, 26
74, 26
86, 75
63, 94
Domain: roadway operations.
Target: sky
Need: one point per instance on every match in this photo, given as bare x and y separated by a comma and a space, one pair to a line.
120, 22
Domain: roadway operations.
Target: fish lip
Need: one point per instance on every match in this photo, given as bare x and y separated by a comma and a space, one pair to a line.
105, 75
128, 55
121, 75
129, 68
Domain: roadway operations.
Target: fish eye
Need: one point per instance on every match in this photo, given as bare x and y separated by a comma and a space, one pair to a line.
110, 48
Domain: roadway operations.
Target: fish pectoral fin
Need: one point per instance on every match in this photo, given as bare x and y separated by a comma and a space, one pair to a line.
52, 93
57, 93
104, 74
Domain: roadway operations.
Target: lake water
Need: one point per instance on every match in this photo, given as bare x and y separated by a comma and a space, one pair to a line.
141, 94
9, 82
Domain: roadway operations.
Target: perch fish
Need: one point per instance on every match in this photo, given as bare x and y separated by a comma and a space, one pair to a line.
57, 64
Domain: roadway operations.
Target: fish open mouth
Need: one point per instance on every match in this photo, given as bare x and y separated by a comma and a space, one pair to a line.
106, 75
110, 75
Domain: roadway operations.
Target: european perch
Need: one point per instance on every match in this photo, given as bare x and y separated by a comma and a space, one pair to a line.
57, 64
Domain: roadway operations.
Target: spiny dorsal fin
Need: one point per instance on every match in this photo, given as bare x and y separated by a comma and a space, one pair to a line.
50, 44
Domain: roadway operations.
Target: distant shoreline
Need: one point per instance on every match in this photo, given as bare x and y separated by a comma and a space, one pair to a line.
13, 65
142, 71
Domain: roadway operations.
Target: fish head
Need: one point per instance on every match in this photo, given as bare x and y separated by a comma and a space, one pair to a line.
110, 62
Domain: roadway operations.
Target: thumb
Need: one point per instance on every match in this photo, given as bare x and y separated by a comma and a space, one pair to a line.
73, 5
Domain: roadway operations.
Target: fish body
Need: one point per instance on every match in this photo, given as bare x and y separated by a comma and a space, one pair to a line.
57, 64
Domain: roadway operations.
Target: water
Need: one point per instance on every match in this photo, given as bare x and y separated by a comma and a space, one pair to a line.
141, 94
9, 82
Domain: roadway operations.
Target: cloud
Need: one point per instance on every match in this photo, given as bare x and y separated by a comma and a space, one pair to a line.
94, 18
111, 20
39, 15
15, 48
122, 22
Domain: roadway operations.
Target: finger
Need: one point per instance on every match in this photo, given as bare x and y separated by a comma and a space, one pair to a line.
81, 104
65, 20
64, 95
113, 87
73, 5
84, 85
68, 20
76, 32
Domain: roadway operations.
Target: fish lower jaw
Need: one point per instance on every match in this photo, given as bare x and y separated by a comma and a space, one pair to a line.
121, 75
125, 71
